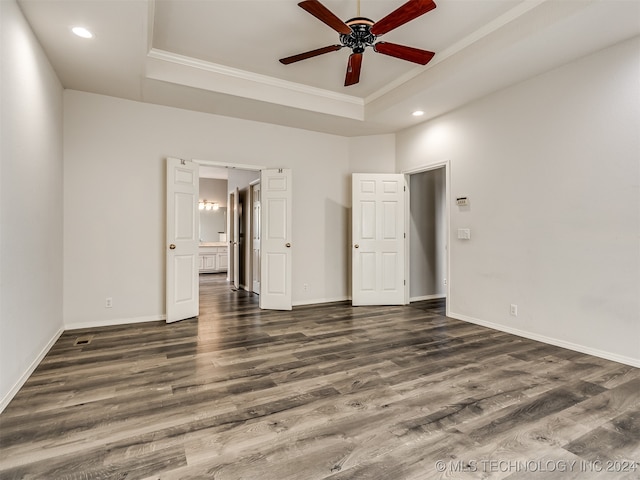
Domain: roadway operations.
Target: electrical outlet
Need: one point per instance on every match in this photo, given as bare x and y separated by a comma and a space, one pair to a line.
514, 310
108, 303
305, 286
445, 281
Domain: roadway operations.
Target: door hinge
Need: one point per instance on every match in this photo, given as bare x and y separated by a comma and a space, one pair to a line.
405, 235
405, 188
404, 282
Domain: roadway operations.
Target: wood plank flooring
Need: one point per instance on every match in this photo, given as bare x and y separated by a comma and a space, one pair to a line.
322, 392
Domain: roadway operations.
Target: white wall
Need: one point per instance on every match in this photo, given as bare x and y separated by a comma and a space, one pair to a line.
114, 223
427, 234
552, 170
372, 154
30, 203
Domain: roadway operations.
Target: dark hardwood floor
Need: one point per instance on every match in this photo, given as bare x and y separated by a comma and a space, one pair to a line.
324, 391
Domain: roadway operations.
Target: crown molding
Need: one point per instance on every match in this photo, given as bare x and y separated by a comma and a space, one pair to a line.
351, 106
161, 64
501, 21
253, 77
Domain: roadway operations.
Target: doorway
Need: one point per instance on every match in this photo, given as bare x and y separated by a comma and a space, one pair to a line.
398, 261
233, 195
244, 227
275, 218
428, 227
241, 224
255, 237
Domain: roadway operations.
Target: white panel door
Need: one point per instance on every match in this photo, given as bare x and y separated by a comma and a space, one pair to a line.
275, 241
182, 240
378, 234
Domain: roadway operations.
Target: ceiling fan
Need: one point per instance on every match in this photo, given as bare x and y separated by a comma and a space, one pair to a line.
361, 32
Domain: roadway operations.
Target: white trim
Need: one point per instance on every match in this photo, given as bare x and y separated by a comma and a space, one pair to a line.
634, 362
151, 15
496, 24
221, 80
250, 76
115, 321
426, 168
268, 81
427, 297
407, 239
25, 376
320, 300
233, 166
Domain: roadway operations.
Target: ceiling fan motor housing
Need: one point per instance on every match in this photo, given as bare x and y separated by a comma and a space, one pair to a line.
360, 36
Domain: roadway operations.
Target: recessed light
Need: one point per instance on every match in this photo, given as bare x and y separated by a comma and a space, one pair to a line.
418, 113
82, 32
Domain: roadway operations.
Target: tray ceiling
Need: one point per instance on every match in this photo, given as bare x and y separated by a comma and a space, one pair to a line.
222, 56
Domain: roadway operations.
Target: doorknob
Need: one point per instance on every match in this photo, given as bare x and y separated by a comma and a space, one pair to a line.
357, 246
172, 246
288, 245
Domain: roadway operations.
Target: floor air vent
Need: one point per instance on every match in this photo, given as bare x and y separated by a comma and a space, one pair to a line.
86, 340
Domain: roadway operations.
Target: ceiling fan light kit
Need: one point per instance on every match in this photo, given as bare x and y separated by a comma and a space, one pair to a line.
360, 32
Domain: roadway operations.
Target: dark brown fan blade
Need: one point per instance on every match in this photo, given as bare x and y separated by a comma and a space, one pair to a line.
322, 13
353, 69
407, 12
410, 54
312, 53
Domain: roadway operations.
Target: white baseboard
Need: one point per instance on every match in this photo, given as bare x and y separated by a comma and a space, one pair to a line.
299, 303
114, 321
25, 376
633, 362
428, 297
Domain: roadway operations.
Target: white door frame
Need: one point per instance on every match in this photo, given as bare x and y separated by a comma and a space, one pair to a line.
260, 168
447, 173
234, 166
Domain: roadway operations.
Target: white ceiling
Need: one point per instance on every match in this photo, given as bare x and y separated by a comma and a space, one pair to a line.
221, 56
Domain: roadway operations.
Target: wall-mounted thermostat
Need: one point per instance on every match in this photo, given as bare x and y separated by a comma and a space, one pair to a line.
462, 201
